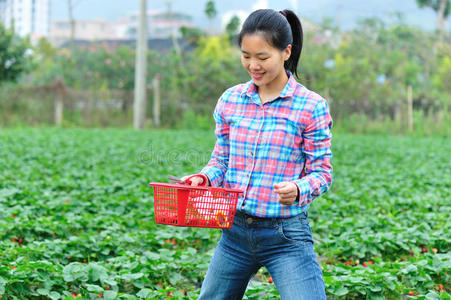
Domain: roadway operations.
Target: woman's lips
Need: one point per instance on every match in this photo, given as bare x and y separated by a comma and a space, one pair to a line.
257, 75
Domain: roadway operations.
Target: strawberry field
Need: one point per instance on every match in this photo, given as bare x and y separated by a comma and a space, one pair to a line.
77, 221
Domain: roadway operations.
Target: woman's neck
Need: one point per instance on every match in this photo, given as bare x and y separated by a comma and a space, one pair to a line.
273, 89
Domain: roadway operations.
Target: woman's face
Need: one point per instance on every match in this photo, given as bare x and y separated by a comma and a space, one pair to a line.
263, 62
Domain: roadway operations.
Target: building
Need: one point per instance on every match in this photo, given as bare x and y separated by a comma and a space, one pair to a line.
87, 30
27, 17
160, 24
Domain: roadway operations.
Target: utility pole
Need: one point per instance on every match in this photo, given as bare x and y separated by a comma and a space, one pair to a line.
173, 33
139, 104
72, 24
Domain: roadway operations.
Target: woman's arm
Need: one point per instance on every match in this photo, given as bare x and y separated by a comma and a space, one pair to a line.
317, 175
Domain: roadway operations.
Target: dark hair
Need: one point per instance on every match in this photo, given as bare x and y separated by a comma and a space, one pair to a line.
279, 29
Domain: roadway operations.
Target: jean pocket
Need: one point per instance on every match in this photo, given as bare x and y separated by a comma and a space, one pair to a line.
295, 232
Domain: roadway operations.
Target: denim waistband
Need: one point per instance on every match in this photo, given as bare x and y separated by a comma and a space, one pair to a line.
245, 218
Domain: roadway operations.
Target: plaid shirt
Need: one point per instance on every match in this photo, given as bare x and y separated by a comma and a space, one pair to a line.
287, 138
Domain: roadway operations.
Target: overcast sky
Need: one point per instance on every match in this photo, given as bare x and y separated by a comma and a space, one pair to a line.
348, 11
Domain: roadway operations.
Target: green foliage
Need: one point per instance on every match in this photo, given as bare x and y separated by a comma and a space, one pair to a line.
210, 9
14, 59
233, 26
76, 216
435, 5
191, 35
364, 72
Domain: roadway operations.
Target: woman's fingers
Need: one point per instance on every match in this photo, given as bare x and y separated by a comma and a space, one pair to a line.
195, 181
286, 192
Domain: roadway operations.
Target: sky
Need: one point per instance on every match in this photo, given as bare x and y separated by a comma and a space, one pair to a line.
346, 12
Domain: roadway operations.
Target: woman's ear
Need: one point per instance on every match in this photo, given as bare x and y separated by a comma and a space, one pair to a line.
287, 52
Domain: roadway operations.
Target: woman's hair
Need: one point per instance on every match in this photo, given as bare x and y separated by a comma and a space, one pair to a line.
279, 29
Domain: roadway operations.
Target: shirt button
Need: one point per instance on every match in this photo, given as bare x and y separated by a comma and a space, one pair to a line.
249, 221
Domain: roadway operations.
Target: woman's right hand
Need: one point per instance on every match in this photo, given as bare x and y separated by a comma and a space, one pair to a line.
196, 180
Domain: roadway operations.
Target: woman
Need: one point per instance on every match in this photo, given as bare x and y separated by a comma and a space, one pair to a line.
273, 142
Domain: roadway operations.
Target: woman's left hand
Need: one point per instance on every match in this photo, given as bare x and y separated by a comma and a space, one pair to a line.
287, 192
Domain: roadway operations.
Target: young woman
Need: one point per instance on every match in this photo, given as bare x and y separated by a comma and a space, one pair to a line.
273, 142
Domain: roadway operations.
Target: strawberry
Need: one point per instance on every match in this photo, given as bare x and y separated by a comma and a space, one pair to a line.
74, 295
411, 293
434, 250
424, 250
13, 240
20, 240
100, 295
173, 241
411, 252
365, 265
270, 279
370, 262
440, 287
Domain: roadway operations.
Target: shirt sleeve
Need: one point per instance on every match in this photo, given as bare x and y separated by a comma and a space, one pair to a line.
217, 166
316, 177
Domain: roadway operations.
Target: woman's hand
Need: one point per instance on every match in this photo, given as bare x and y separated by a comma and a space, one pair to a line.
195, 180
287, 192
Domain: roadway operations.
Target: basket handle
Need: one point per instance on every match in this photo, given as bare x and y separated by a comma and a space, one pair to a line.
204, 183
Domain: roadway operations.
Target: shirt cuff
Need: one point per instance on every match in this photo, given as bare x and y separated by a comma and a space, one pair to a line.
304, 191
214, 175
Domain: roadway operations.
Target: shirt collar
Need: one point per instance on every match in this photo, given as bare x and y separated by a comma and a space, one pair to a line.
288, 91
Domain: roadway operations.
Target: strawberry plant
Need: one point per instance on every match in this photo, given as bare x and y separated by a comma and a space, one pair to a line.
77, 220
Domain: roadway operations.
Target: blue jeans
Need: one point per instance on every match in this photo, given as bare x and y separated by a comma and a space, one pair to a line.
283, 245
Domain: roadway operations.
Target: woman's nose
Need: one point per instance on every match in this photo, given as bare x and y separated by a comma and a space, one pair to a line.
253, 65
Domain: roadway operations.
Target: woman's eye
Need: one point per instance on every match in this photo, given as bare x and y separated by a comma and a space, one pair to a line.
264, 58
246, 57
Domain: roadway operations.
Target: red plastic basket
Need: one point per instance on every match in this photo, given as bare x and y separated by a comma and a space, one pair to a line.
190, 206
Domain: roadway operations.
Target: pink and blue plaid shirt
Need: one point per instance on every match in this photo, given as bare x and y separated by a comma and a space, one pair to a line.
287, 138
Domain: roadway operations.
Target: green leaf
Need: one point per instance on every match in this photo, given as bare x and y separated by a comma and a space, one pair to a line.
54, 295
97, 272
341, 291
432, 296
74, 271
3, 283
131, 277
109, 295
42, 291
144, 293
94, 288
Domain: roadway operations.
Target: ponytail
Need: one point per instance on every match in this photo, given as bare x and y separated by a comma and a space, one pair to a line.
279, 29
298, 37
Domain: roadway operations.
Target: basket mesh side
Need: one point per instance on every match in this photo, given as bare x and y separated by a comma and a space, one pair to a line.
211, 208
165, 205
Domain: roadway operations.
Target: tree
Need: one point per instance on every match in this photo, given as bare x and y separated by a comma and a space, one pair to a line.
232, 26
13, 54
191, 35
441, 7
210, 11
